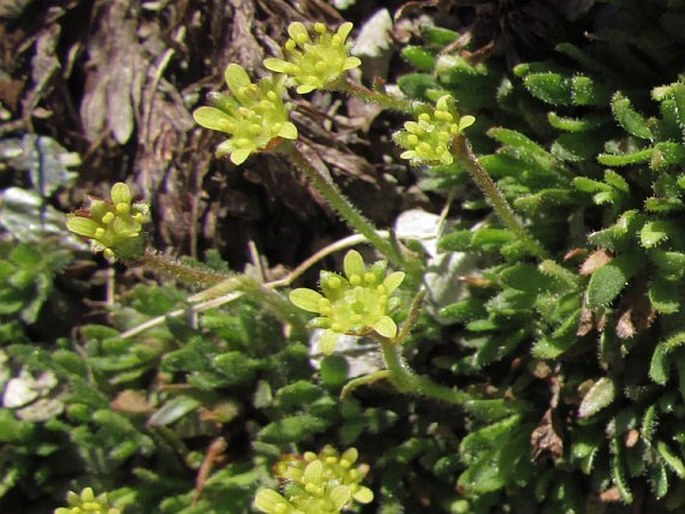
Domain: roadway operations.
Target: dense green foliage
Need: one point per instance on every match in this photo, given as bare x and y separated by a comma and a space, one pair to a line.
572, 365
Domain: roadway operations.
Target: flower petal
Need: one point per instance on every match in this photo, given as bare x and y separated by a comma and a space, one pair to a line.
354, 264
351, 63
304, 89
212, 118
363, 495
288, 131
340, 496
298, 32
236, 78
306, 299
275, 64
240, 156
121, 194
82, 226
328, 341
267, 500
393, 281
386, 327
344, 30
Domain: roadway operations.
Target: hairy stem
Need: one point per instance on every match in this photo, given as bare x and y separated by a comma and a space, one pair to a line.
187, 274
381, 98
405, 381
341, 204
464, 153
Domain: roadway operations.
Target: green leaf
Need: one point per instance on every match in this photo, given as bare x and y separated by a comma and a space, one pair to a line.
576, 147
607, 282
415, 85
569, 124
625, 159
600, 396
298, 394
631, 121
655, 232
618, 472
173, 410
669, 264
671, 459
294, 429
665, 295
555, 89
419, 57
438, 36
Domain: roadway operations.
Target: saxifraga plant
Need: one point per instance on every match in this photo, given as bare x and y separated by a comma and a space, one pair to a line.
569, 333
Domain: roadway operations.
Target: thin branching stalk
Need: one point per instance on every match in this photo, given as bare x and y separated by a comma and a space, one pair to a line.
341, 204
406, 381
464, 153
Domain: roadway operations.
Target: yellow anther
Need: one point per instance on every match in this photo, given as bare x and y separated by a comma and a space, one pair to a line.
108, 218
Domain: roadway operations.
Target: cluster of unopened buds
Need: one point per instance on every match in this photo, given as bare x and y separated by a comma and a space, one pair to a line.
428, 139
323, 483
254, 115
113, 226
356, 304
87, 503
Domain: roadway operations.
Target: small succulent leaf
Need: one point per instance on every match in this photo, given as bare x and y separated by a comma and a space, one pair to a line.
600, 396
618, 473
631, 121
659, 366
607, 282
306, 299
665, 296
419, 57
674, 462
625, 159
655, 232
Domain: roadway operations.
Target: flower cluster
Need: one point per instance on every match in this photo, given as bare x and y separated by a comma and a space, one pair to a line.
317, 484
355, 304
253, 114
87, 503
429, 138
314, 64
113, 226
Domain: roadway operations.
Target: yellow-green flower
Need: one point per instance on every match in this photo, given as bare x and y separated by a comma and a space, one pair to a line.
356, 304
113, 226
429, 138
314, 63
253, 114
323, 483
87, 503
